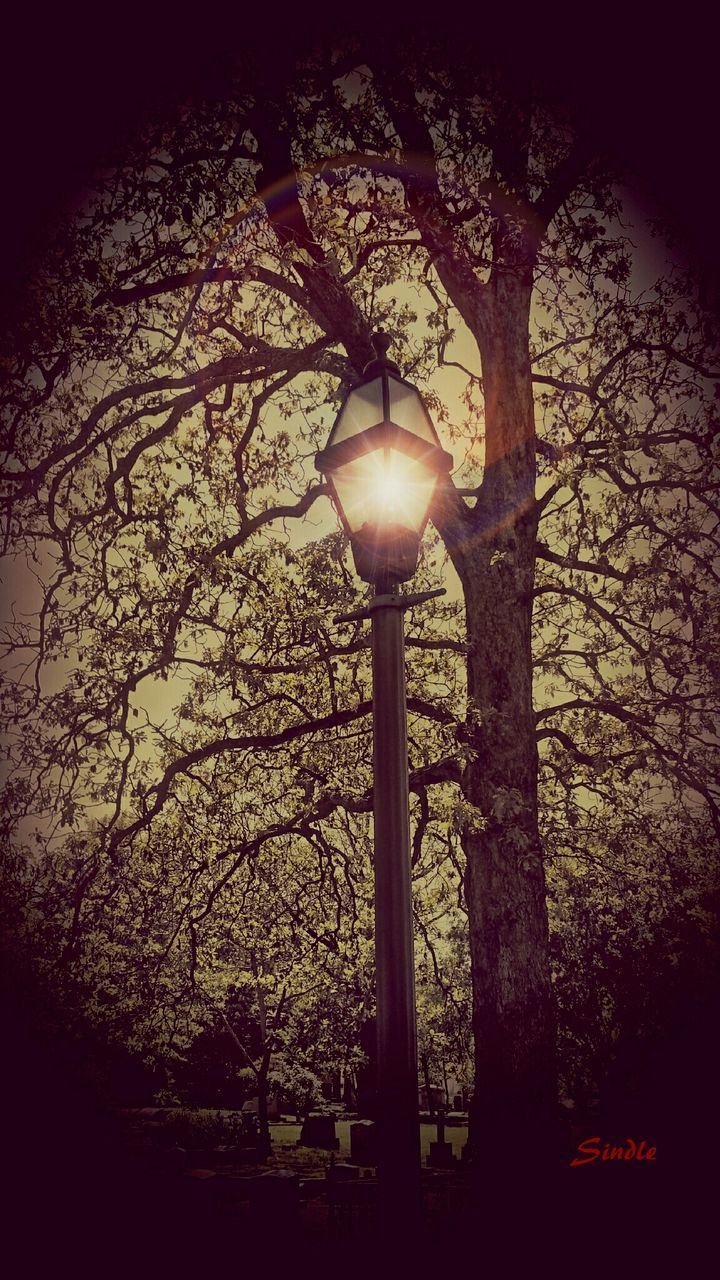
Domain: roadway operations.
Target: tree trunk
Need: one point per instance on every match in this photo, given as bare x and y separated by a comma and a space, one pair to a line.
264, 1069
426, 1076
265, 1141
513, 1017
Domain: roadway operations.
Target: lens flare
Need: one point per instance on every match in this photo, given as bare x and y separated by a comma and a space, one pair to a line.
391, 493
383, 489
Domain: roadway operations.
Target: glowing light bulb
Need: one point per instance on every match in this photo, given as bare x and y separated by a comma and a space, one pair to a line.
379, 490
390, 490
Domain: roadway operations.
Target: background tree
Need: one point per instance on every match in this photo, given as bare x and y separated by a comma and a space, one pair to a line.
187, 332
444, 1002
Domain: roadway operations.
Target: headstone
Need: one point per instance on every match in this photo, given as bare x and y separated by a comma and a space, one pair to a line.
197, 1189
252, 1106
432, 1098
363, 1142
275, 1193
456, 1117
339, 1171
225, 1154
169, 1159
441, 1155
199, 1157
319, 1131
440, 1127
249, 1126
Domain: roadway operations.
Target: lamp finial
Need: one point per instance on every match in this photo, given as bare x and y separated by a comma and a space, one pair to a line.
381, 342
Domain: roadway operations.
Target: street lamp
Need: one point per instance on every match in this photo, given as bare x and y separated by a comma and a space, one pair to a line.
382, 462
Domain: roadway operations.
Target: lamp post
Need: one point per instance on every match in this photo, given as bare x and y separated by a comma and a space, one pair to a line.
382, 461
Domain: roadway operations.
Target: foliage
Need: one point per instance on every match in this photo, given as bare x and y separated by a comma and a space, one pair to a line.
634, 914
188, 730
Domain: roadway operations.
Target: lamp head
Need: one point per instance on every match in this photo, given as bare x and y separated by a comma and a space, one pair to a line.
382, 462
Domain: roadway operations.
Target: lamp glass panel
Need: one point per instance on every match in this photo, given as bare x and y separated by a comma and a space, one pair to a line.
362, 409
407, 410
385, 487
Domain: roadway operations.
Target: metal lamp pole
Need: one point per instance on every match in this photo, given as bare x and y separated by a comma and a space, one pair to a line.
398, 1124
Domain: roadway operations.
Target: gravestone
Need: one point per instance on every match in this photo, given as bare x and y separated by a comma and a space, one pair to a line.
441, 1156
363, 1142
252, 1107
340, 1171
441, 1152
456, 1118
169, 1159
249, 1127
319, 1131
275, 1194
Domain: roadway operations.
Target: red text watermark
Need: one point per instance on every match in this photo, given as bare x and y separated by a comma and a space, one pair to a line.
592, 1149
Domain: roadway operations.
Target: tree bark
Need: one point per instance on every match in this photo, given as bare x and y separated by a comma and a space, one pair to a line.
265, 1141
513, 1015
